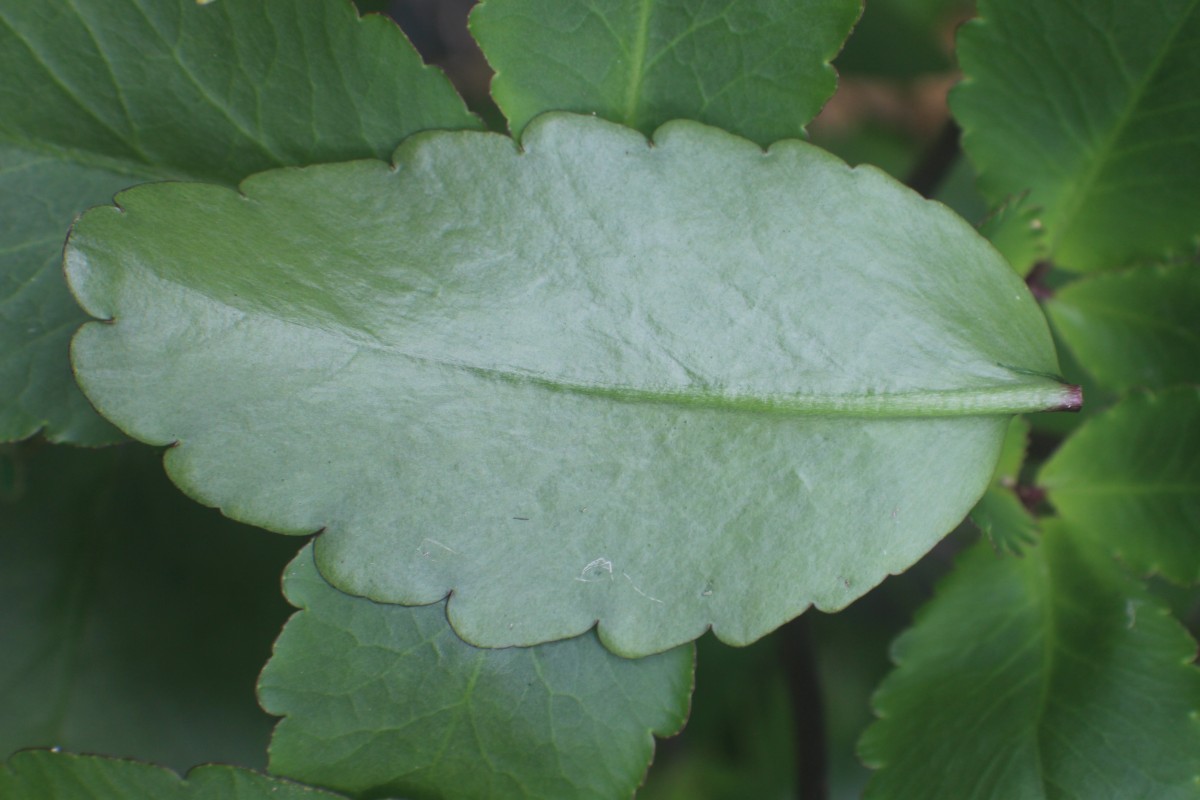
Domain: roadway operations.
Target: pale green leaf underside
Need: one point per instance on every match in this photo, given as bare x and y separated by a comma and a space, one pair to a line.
758, 68
1130, 478
1139, 327
101, 94
41, 775
660, 387
385, 700
1094, 108
1052, 675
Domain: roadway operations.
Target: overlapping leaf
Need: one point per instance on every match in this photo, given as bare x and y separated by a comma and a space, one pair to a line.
759, 68
1094, 108
660, 387
1000, 513
384, 700
101, 94
1134, 328
1049, 675
132, 621
1130, 478
41, 775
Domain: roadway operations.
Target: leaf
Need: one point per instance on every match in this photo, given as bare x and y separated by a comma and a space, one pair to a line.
740, 740
126, 627
1000, 513
1131, 478
587, 380
1135, 328
758, 68
902, 39
1094, 108
38, 775
107, 93
1050, 675
39, 196
383, 699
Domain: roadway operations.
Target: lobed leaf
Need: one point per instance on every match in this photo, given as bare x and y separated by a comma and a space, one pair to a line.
384, 700
1092, 107
1049, 675
126, 627
1130, 478
758, 68
1134, 328
38, 775
107, 93
660, 387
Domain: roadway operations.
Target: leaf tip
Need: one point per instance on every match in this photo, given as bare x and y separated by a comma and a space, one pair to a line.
1072, 399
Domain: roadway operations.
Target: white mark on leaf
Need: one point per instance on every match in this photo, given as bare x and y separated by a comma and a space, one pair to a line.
596, 570
424, 549
639, 591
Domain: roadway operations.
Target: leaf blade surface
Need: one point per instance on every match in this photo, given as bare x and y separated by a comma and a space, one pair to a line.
1137, 328
108, 93
1094, 109
566, 719
1049, 675
1130, 477
37, 775
605, 405
758, 69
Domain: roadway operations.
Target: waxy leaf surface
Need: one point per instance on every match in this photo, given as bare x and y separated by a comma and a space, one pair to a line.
101, 94
43, 775
758, 68
1138, 327
1049, 675
385, 700
133, 622
659, 387
1093, 107
1130, 478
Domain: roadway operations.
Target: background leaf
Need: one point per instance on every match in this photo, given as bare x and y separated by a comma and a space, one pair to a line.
1134, 328
384, 700
1131, 478
758, 68
38, 775
570, 383
106, 93
1094, 108
132, 621
1053, 674
1000, 513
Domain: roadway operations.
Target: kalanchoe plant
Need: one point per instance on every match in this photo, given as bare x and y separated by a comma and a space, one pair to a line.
553, 402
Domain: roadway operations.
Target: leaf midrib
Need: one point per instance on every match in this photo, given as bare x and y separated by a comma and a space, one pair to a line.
637, 63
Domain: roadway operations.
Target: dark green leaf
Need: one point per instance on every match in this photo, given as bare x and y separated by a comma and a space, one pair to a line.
101, 94
42, 775
739, 741
1051, 675
759, 68
1000, 513
1131, 478
127, 625
383, 700
660, 387
1094, 108
1135, 328
902, 39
